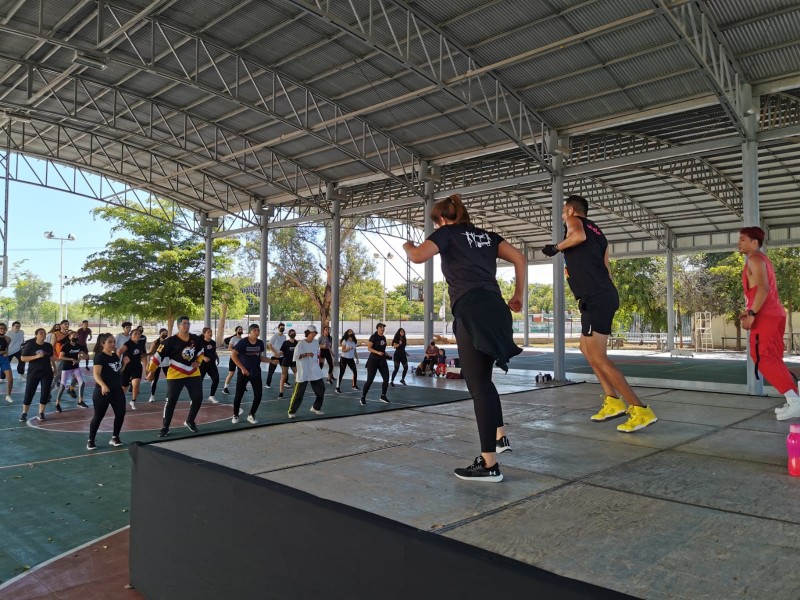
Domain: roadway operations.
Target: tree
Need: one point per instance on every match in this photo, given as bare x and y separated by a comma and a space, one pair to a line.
640, 284
728, 288
29, 293
151, 268
786, 262
229, 300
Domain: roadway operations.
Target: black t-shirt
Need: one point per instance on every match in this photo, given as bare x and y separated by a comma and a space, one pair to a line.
3, 344
72, 351
111, 365
40, 365
584, 264
469, 258
210, 351
400, 351
135, 350
250, 353
379, 344
287, 360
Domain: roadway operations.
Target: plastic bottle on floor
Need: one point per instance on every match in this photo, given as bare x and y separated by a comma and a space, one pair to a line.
793, 450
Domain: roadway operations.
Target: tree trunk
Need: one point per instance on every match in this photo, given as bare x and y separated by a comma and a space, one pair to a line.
223, 313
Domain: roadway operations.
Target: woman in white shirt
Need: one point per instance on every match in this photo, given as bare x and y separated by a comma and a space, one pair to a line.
347, 358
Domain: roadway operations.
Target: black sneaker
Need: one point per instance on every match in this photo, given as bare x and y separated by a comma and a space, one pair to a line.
363, 402
41, 417
338, 390
225, 391
403, 381
503, 445
355, 387
82, 404
477, 471
392, 384
72, 392
384, 399
191, 427
58, 408
23, 417
280, 395
164, 432
90, 445
115, 441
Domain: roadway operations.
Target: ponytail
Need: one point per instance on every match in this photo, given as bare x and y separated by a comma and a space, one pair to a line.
452, 209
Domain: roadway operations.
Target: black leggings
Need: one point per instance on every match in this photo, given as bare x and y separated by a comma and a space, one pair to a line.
400, 360
156, 375
114, 398
210, 368
271, 371
174, 388
46, 379
477, 369
373, 366
241, 385
326, 356
343, 364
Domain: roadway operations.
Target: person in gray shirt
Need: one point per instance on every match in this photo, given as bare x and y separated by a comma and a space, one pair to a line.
16, 337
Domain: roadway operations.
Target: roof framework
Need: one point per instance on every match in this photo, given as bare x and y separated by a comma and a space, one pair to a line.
230, 107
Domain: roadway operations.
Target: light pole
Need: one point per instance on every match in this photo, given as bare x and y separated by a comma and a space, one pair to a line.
70, 238
389, 256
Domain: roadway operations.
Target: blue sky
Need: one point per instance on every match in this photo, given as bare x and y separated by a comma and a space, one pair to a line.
34, 210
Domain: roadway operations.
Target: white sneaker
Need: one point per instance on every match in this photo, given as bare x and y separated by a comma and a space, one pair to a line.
252, 419
235, 420
132, 404
790, 410
9, 399
316, 411
213, 400
152, 399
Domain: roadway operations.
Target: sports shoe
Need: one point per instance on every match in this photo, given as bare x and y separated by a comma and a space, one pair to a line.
152, 399
132, 404
790, 410
267, 386
355, 387
252, 419
363, 402
23, 418
338, 390
90, 445
213, 400
612, 408
9, 399
291, 415
72, 392
58, 408
403, 382
191, 426
477, 471
241, 410
164, 432
503, 445
82, 404
114, 441
41, 417
225, 390
280, 395
384, 399
639, 418
392, 384
235, 420
316, 411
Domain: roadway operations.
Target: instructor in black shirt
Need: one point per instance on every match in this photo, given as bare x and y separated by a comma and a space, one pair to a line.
377, 362
588, 273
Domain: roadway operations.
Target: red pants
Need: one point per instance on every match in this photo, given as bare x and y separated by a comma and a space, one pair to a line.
441, 369
766, 349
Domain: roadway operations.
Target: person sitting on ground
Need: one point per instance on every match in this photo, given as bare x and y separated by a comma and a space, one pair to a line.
441, 363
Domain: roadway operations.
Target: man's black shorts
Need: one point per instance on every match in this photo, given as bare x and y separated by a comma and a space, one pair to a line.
597, 312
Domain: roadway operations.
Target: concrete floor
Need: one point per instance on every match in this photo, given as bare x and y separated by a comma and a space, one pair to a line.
699, 505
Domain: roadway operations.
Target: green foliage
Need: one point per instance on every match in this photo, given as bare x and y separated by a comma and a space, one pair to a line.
29, 294
151, 268
641, 287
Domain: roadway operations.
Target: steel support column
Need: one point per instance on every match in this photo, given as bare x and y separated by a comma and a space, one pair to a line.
336, 228
752, 217
263, 296
526, 313
670, 297
209, 266
559, 344
428, 293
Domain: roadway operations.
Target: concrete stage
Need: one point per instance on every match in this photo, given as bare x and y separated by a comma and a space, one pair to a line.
699, 505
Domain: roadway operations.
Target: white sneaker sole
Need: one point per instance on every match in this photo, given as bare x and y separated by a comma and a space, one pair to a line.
492, 479
503, 449
787, 414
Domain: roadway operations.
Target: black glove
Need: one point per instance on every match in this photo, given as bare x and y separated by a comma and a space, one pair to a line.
550, 250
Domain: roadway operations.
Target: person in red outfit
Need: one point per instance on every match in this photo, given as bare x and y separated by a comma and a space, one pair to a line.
766, 320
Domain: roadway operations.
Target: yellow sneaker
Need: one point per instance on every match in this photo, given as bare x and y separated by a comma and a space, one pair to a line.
639, 418
612, 407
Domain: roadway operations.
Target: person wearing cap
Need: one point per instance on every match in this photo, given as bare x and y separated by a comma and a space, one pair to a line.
306, 354
377, 362
248, 354
483, 327
765, 317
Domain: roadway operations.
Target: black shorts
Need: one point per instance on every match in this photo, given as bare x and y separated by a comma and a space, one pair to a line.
132, 371
597, 312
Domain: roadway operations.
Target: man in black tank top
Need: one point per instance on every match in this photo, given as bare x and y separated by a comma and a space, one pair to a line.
587, 269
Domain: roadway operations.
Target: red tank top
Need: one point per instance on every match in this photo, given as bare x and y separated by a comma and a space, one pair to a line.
772, 305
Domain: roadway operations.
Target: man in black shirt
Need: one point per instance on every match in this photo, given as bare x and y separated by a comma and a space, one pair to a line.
588, 273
